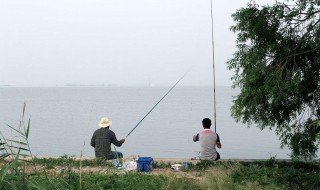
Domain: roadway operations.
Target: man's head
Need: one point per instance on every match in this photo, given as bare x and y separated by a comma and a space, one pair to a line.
206, 123
105, 122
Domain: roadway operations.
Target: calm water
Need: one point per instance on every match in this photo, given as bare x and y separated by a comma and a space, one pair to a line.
64, 118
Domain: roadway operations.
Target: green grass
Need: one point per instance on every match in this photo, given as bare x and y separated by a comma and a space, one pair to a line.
286, 175
70, 161
206, 175
97, 181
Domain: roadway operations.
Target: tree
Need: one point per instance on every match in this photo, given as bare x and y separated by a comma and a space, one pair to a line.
277, 68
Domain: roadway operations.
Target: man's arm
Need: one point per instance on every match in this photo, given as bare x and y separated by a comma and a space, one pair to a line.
196, 137
93, 143
218, 142
115, 140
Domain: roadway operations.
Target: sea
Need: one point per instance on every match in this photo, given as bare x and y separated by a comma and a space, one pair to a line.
63, 119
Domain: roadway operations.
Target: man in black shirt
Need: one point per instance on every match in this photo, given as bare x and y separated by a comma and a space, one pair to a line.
102, 138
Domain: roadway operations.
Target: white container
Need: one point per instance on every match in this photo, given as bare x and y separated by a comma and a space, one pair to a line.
177, 167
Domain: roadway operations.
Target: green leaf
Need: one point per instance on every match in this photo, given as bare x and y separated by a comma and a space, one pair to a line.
19, 148
15, 130
3, 171
24, 109
26, 155
2, 156
36, 185
18, 142
28, 129
29, 161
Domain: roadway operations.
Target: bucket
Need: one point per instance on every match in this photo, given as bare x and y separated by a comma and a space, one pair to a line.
144, 164
177, 167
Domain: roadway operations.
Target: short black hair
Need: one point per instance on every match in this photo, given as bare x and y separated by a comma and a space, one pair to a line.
206, 122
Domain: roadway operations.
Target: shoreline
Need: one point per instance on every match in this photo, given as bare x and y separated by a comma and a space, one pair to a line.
165, 160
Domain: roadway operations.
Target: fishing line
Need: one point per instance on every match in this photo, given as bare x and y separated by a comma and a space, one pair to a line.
157, 104
86, 129
214, 75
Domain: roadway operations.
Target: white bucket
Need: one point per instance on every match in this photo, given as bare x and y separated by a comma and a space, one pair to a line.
177, 167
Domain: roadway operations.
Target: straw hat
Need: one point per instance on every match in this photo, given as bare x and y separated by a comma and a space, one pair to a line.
105, 122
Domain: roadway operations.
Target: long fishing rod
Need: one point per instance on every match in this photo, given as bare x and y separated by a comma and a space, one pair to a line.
157, 104
214, 74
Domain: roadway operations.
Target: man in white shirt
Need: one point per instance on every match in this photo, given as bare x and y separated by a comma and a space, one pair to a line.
209, 140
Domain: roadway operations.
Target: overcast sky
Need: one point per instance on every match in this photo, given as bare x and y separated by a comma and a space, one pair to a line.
115, 42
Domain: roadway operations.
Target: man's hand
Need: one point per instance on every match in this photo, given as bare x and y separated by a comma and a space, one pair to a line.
122, 141
219, 145
194, 138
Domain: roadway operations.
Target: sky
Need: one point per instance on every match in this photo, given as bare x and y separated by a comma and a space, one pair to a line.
116, 42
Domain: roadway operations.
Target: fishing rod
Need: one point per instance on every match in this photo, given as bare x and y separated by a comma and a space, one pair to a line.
214, 74
157, 104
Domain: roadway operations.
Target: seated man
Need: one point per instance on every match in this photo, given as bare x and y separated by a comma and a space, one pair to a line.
102, 139
208, 141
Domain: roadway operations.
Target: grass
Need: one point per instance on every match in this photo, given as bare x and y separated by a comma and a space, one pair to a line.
69, 179
286, 175
202, 175
71, 162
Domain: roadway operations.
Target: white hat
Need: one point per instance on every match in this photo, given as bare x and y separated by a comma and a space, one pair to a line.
105, 122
